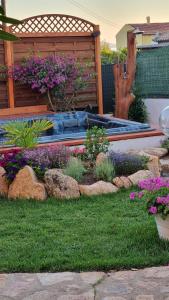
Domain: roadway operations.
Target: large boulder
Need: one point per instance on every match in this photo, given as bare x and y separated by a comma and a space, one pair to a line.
122, 182
61, 186
126, 182
26, 186
140, 175
98, 188
160, 152
101, 157
118, 182
153, 164
164, 163
3, 183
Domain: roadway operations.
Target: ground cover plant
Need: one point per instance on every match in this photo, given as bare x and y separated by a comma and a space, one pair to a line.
96, 233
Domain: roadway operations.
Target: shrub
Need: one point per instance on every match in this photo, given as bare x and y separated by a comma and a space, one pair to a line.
25, 134
96, 142
53, 76
127, 164
138, 110
75, 169
105, 171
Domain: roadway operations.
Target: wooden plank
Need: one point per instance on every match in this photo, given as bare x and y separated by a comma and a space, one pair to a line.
23, 110
98, 70
9, 62
52, 34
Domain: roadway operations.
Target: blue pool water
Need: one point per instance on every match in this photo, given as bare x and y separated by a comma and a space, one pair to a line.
73, 126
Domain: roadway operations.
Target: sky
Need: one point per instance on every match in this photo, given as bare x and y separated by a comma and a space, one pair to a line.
111, 15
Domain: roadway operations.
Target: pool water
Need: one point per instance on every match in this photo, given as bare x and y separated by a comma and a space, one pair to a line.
73, 126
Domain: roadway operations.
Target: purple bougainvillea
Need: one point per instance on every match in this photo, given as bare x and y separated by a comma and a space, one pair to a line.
58, 77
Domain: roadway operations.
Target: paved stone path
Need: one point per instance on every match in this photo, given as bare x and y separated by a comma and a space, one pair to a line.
147, 284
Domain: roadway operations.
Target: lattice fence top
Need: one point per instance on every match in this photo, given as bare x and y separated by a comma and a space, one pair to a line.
53, 23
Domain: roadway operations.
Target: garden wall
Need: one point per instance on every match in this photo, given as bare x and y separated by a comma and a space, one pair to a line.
56, 34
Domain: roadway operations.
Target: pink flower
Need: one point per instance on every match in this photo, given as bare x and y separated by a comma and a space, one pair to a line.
153, 210
132, 196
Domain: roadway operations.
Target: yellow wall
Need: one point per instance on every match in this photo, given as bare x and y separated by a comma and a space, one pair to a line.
121, 38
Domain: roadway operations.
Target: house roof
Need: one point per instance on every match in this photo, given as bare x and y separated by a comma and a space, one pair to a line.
162, 37
151, 28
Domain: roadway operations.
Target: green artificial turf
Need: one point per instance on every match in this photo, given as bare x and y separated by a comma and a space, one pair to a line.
97, 233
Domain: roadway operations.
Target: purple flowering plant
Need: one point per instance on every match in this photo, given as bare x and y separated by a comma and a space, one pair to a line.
60, 78
126, 163
155, 191
40, 159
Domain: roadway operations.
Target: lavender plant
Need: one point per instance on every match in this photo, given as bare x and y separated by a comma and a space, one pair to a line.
58, 77
126, 164
48, 157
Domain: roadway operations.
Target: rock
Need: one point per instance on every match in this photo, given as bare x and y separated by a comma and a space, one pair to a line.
122, 182
153, 164
126, 182
101, 157
160, 152
118, 182
26, 186
98, 188
3, 183
61, 186
140, 175
164, 163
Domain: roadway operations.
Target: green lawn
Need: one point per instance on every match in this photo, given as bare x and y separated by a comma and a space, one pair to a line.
98, 233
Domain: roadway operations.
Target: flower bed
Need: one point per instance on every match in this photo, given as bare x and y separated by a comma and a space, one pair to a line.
61, 172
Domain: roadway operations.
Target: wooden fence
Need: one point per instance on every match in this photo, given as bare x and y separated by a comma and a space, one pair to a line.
46, 35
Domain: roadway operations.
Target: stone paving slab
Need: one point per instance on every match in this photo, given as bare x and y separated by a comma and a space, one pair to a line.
147, 284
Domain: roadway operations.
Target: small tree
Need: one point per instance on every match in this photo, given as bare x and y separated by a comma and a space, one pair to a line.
3, 34
58, 77
110, 56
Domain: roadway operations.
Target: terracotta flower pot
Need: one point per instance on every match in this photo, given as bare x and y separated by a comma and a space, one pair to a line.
163, 227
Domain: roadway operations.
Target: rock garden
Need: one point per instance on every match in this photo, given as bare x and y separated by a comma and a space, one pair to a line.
65, 173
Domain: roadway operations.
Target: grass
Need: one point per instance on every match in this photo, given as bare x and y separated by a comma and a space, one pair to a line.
98, 233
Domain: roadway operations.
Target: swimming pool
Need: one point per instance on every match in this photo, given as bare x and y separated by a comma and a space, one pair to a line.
73, 126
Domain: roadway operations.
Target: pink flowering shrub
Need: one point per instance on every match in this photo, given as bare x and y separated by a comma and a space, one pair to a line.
58, 77
79, 153
155, 192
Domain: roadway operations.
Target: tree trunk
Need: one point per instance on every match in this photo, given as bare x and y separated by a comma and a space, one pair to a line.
124, 80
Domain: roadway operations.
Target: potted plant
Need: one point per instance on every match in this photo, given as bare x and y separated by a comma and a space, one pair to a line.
155, 191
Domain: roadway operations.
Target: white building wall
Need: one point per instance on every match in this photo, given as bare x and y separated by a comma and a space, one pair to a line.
154, 108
